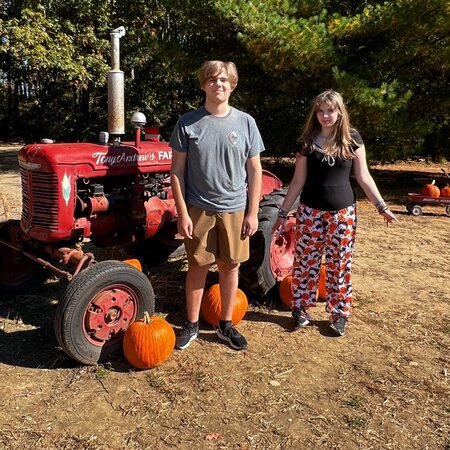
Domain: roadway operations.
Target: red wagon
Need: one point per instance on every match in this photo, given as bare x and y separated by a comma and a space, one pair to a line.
415, 202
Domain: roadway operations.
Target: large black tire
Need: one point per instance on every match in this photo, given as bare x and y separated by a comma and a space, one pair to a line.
18, 273
271, 258
98, 306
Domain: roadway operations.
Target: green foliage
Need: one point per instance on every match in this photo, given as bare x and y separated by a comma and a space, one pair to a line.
354, 402
100, 373
390, 60
53, 67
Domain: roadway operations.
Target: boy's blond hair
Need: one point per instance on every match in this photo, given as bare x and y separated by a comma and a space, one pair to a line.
210, 69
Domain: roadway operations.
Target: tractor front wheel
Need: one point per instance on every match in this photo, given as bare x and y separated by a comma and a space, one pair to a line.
98, 306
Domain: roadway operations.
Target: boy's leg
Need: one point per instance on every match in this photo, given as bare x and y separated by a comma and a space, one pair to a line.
232, 249
228, 280
195, 285
200, 251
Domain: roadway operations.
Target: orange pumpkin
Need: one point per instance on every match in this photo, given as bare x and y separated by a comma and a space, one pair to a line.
322, 289
285, 291
211, 306
445, 191
148, 342
285, 288
134, 262
430, 190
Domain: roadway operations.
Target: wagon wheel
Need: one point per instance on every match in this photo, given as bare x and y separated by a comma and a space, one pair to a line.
18, 273
447, 210
98, 306
416, 210
409, 206
271, 258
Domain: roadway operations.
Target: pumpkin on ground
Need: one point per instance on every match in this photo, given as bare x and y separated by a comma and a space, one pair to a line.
285, 291
285, 288
134, 263
211, 306
148, 342
322, 289
430, 190
445, 191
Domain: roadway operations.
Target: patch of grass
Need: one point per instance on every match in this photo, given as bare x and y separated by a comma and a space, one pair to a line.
355, 402
101, 373
155, 381
355, 422
447, 409
200, 376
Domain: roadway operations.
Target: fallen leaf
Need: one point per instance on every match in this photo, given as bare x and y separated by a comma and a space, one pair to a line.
212, 436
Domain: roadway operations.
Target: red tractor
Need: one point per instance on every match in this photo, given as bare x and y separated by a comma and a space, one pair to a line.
111, 193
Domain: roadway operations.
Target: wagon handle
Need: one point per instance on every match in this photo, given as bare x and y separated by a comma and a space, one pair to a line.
446, 174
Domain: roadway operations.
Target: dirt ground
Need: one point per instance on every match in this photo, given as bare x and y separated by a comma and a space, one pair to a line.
385, 385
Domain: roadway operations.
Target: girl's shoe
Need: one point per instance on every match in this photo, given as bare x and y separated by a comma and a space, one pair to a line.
300, 318
338, 326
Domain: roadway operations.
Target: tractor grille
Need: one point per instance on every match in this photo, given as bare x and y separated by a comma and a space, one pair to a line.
39, 199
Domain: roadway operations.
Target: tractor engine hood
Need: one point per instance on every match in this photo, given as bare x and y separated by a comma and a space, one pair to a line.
93, 160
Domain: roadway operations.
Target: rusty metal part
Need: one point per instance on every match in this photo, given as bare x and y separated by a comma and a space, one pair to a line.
97, 204
64, 255
74, 256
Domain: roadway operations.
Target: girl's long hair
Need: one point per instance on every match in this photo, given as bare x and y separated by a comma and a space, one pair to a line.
341, 144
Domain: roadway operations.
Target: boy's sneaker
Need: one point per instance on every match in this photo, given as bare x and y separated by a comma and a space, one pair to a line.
235, 339
300, 317
186, 335
338, 326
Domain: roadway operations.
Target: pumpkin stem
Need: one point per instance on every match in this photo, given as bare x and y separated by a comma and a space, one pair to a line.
146, 317
433, 182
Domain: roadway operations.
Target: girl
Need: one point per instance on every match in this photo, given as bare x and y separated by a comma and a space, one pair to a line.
329, 152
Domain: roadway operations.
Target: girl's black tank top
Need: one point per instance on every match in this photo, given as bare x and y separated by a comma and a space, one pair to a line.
327, 186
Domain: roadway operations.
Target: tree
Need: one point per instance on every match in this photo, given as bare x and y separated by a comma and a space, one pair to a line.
49, 68
390, 60
385, 57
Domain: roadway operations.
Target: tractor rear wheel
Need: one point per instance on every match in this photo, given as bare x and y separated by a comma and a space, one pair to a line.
98, 306
271, 258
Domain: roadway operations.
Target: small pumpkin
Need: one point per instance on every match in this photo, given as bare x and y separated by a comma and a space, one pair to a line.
211, 306
430, 190
134, 263
148, 342
322, 289
445, 191
285, 291
285, 288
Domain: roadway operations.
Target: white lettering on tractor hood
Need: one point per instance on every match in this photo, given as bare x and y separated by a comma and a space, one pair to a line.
105, 159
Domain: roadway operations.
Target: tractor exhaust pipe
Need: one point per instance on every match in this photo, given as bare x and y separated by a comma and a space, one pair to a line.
116, 103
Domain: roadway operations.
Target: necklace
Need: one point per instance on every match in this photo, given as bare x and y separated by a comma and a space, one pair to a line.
320, 144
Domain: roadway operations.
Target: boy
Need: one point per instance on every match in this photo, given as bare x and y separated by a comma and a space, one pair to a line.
216, 181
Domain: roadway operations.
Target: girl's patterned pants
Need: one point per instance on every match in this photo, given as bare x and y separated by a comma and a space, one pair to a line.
332, 234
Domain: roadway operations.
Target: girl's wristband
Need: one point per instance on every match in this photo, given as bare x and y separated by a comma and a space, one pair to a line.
282, 213
381, 206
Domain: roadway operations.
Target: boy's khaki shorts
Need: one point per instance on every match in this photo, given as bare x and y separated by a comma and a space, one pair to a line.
216, 236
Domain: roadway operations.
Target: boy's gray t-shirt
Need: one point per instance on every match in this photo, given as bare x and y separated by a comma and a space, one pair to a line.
217, 151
